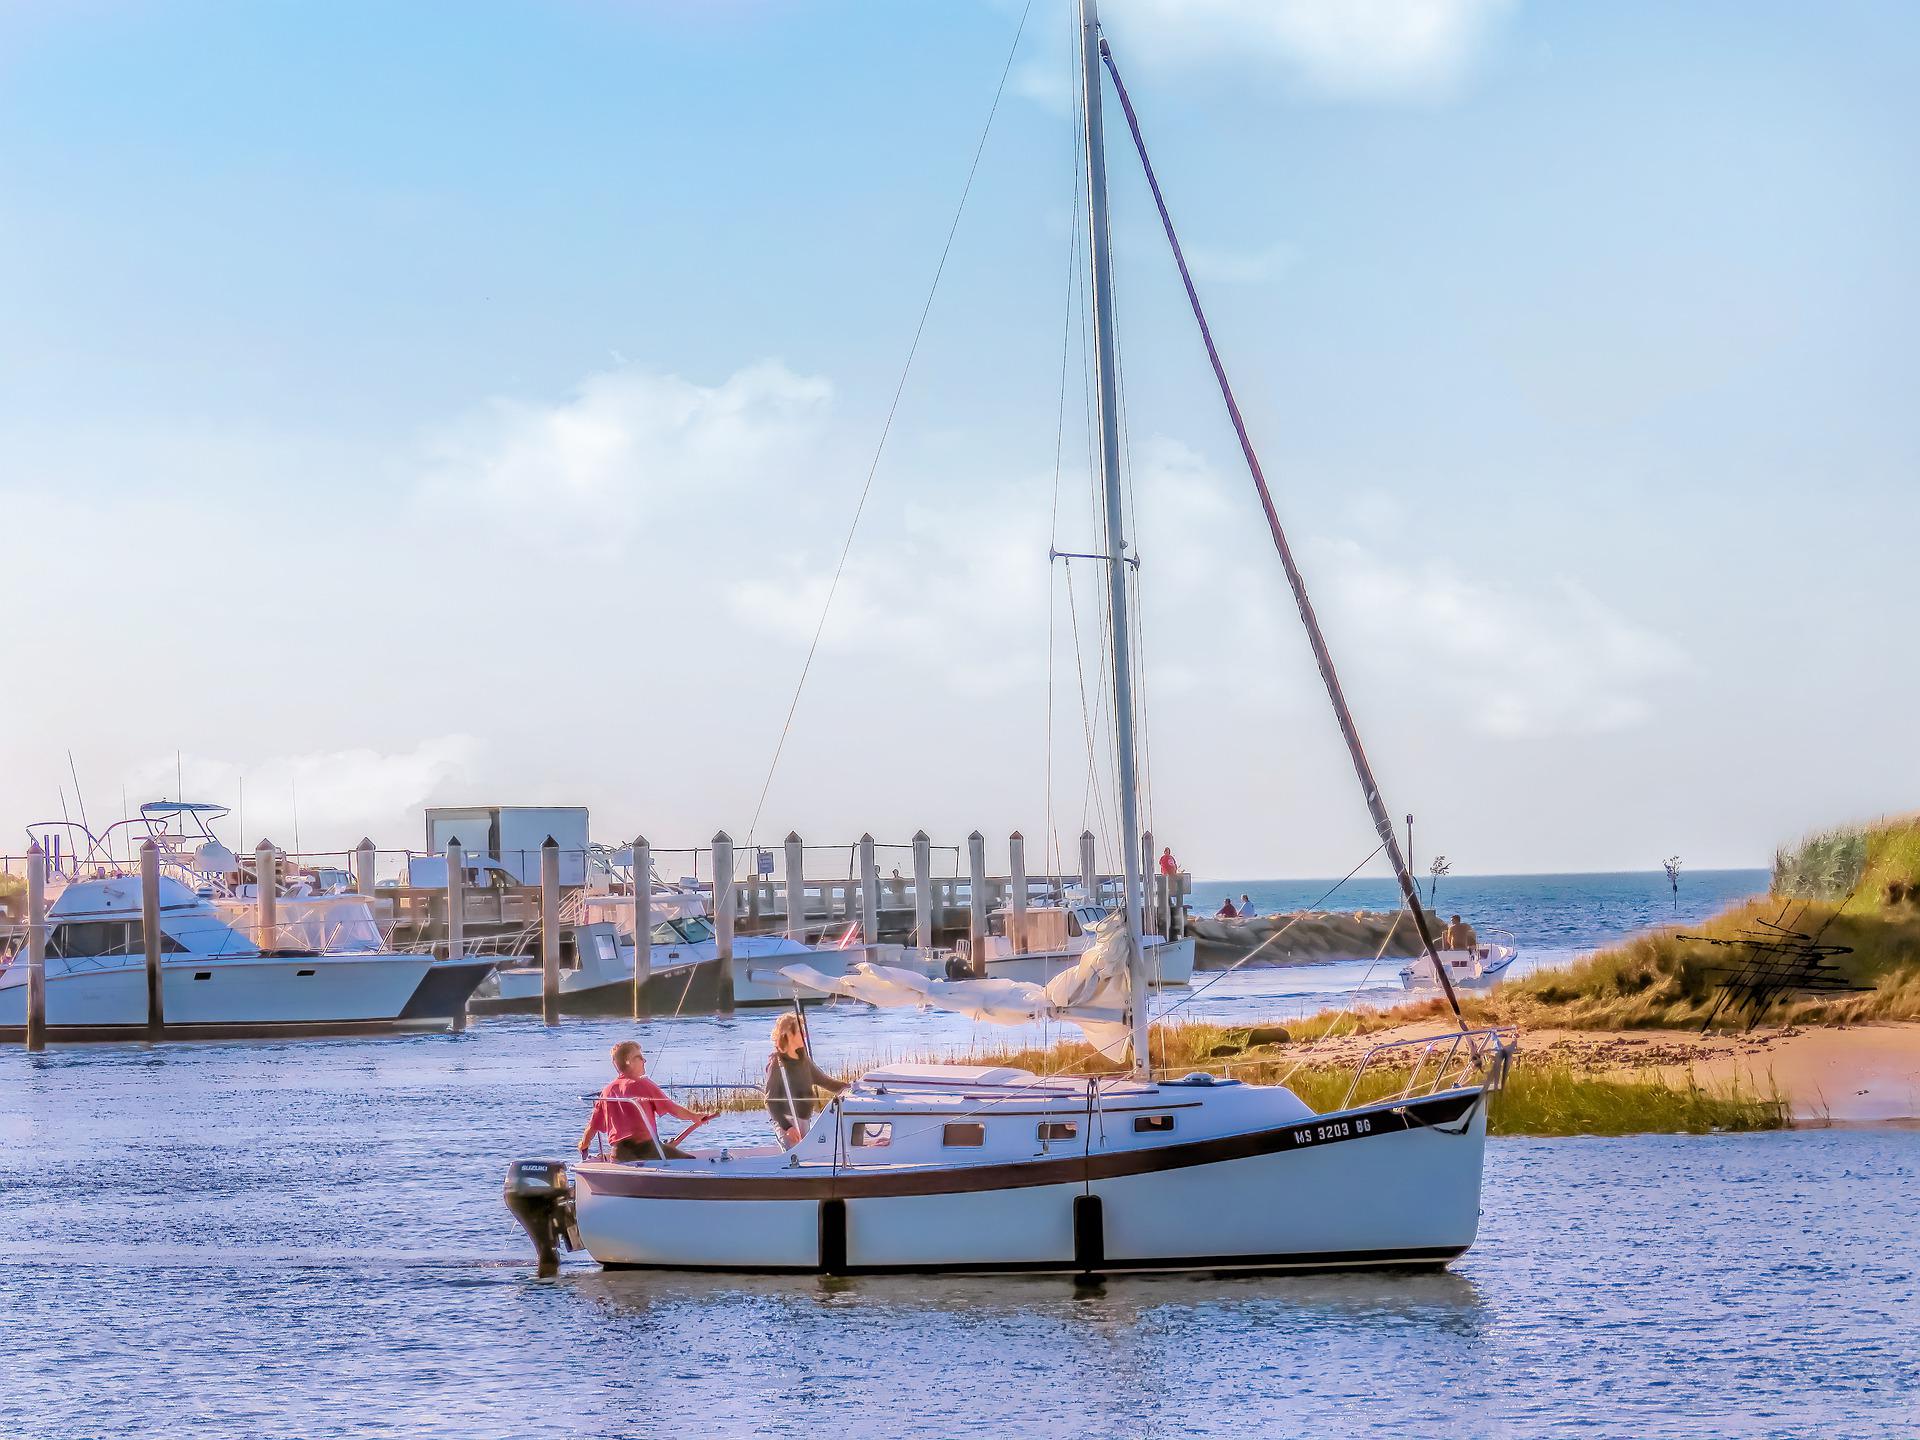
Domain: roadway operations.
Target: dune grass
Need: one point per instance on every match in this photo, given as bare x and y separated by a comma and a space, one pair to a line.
1858, 888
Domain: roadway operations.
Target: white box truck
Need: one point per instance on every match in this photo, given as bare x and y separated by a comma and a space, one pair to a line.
511, 836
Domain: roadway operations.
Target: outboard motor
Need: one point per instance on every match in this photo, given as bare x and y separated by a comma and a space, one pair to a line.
540, 1196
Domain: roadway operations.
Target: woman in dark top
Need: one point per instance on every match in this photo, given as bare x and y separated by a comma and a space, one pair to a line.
792, 1077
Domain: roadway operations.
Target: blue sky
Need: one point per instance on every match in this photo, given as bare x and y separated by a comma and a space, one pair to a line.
467, 402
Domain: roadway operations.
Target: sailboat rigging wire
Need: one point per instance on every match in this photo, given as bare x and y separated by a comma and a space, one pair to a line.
906, 368
1323, 658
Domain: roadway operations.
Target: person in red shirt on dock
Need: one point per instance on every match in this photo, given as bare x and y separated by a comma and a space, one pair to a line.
628, 1111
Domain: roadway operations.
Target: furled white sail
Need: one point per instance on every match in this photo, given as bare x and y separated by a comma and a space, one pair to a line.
1091, 995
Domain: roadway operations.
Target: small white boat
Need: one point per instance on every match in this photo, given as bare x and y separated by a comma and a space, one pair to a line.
1479, 967
684, 975
215, 981
1049, 939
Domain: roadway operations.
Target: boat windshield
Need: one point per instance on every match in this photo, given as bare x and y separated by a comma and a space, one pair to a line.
687, 930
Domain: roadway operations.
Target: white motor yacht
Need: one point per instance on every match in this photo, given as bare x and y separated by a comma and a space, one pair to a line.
1049, 939
215, 980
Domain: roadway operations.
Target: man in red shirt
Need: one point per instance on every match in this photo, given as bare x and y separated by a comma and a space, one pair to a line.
628, 1111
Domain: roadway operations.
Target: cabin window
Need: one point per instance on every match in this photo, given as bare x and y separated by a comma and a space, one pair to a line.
1152, 1124
1059, 1129
873, 1133
103, 937
605, 945
964, 1134
665, 934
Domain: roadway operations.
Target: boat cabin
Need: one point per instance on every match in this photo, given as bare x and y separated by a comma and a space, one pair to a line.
1043, 929
942, 1115
101, 918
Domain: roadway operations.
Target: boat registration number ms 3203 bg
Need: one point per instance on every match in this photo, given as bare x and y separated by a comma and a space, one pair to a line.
1333, 1130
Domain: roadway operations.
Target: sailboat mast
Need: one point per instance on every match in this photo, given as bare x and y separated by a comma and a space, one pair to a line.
1125, 761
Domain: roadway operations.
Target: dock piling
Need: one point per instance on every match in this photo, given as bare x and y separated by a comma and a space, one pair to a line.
1089, 871
365, 858
1017, 882
266, 895
869, 893
922, 891
796, 888
1148, 869
642, 924
723, 904
550, 930
150, 937
36, 947
977, 899
456, 899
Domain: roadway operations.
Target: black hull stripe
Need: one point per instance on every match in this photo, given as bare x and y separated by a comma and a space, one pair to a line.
444, 990
1429, 1258
684, 990
657, 1183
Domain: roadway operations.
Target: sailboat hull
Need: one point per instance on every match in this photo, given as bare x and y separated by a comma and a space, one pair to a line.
1390, 1185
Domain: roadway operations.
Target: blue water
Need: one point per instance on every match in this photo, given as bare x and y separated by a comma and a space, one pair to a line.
308, 1241
305, 1239
1560, 914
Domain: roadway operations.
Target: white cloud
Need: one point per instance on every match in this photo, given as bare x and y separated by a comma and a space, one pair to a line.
583, 469
1048, 83
1240, 267
1361, 49
970, 563
342, 794
1508, 662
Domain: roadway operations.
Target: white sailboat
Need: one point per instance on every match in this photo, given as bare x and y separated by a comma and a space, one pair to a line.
944, 1167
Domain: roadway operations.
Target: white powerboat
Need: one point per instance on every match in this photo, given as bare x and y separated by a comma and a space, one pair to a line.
941, 1167
215, 980
1049, 939
1480, 966
684, 976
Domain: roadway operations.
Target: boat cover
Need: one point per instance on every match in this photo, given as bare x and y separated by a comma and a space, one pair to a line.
1092, 994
